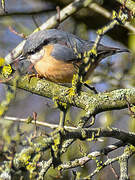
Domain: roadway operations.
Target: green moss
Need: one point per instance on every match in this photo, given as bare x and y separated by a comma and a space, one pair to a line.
23, 159
29, 119
130, 149
83, 133
6, 71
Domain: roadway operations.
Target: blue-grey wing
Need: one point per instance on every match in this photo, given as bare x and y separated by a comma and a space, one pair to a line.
64, 53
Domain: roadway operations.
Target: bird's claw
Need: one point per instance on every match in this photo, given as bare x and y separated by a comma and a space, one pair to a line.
33, 75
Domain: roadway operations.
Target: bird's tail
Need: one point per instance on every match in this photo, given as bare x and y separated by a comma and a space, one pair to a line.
104, 51
118, 50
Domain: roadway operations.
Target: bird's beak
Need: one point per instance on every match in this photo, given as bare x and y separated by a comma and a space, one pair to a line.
18, 59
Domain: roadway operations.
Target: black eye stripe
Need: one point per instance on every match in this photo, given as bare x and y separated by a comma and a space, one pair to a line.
35, 51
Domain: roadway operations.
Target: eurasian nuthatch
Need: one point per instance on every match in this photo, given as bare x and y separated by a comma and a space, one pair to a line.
54, 56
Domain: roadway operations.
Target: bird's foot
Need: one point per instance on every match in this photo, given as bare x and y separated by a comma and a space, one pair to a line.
34, 75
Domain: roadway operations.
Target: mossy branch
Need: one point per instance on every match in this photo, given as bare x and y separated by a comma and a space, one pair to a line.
129, 4
123, 159
21, 159
91, 156
92, 103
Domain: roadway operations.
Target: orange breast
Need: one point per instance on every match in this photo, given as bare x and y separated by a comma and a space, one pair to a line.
54, 70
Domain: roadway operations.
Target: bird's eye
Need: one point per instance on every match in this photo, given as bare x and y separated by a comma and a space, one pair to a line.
36, 56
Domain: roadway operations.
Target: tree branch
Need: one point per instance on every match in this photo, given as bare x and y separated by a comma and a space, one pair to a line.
91, 103
19, 160
129, 4
123, 161
83, 160
129, 151
97, 8
86, 133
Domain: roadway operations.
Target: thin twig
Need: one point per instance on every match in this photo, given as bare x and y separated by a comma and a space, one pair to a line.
113, 170
82, 161
16, 33
39, 123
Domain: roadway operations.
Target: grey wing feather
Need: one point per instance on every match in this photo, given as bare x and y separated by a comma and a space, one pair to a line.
61, 52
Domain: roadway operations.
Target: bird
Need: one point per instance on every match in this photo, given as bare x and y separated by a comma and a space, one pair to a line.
53, 55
